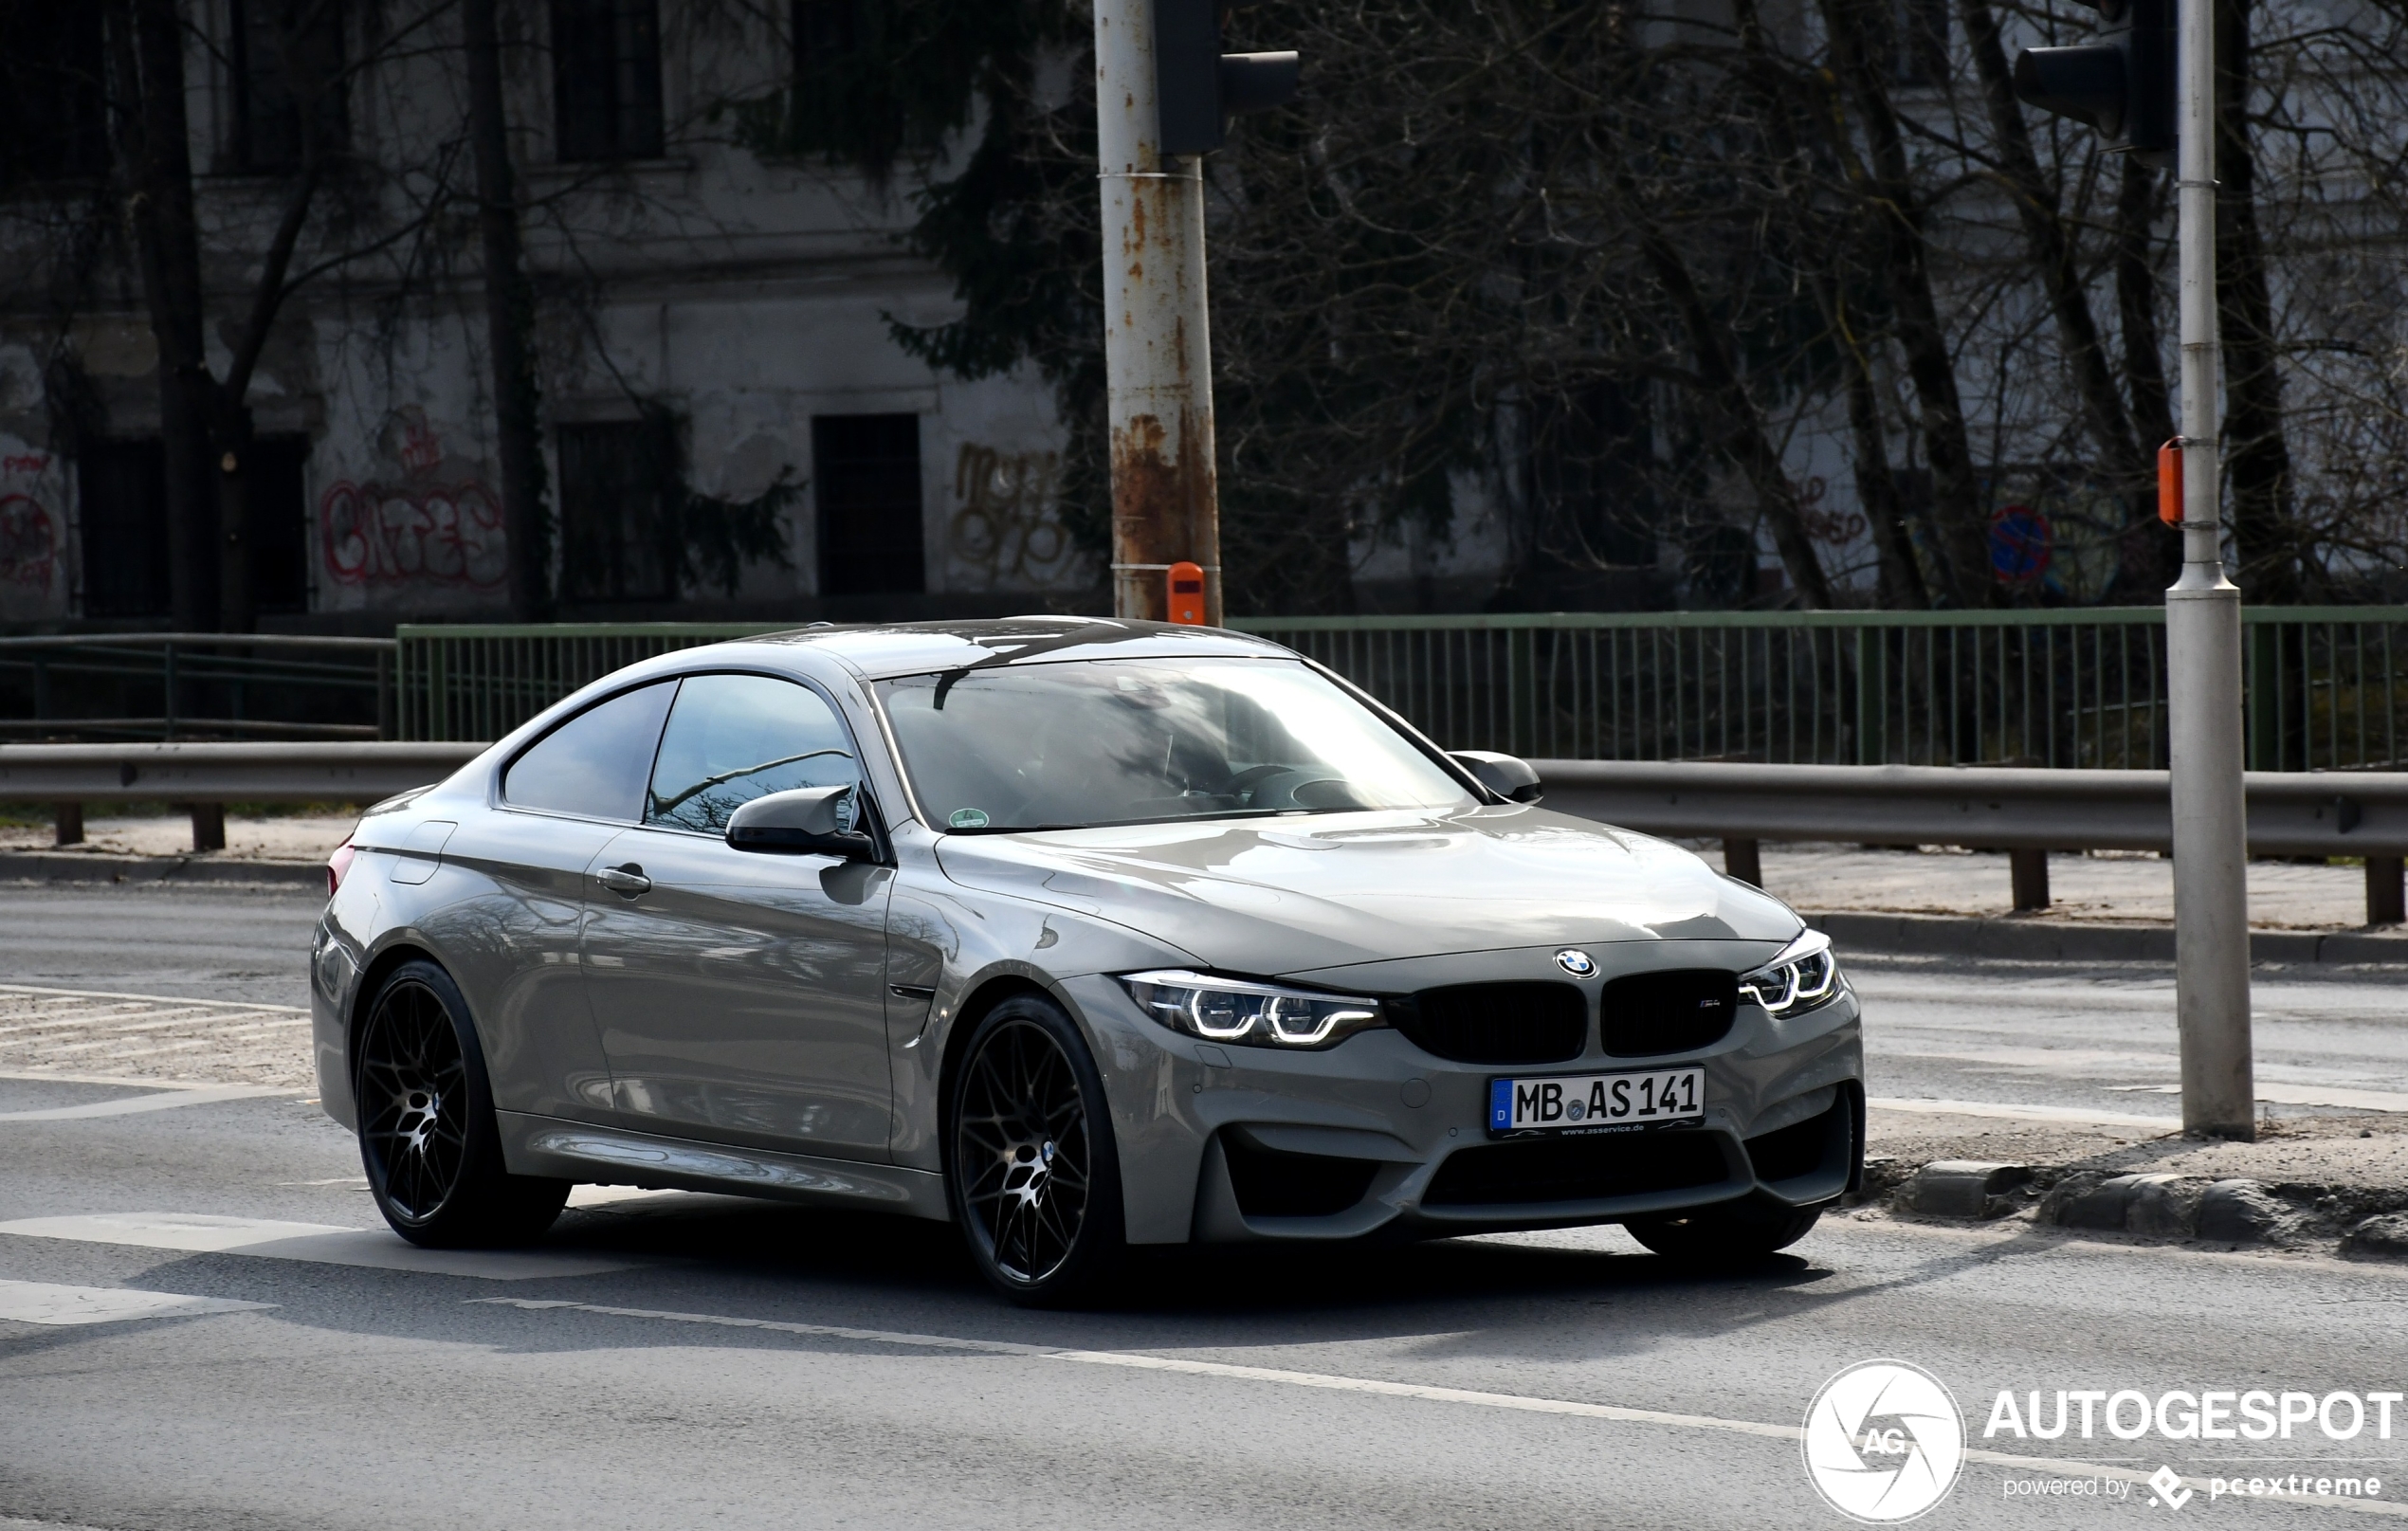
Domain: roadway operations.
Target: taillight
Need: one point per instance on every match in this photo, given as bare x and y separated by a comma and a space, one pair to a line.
338, 866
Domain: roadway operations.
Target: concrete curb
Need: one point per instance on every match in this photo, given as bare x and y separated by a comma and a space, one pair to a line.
70, 866
2351, 1220
2044, 940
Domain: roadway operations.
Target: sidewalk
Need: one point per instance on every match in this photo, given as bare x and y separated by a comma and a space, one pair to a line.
2109, 887
157, 847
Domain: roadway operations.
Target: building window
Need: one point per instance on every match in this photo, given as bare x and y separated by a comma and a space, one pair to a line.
867, 471
826, 34
287, 57
1923, 41
51, 127
279, 523
606, 79
121, 515
612, 541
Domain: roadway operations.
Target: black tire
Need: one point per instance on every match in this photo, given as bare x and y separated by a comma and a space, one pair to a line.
1031, 1171
427, 1132
1733, 1233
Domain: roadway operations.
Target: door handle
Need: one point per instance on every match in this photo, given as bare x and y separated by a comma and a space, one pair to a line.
626, 881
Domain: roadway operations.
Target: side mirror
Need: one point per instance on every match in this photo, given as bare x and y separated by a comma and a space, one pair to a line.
1508, 776
808, 821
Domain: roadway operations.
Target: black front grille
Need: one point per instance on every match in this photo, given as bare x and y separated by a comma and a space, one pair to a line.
1577, 1169
1270, 1183
1647, 1014
1497, 1023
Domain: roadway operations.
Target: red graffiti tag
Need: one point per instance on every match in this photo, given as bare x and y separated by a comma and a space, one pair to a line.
437, 534
29, 542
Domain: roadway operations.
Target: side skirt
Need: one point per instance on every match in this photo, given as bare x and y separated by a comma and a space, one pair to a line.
609, 1156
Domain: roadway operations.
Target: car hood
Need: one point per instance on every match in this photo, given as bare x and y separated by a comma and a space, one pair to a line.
1274, 896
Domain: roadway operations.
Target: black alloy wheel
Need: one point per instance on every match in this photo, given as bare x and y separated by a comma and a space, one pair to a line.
427, 1134
1036, 1181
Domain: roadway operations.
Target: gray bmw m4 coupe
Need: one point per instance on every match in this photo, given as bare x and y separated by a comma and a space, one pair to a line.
1080, 934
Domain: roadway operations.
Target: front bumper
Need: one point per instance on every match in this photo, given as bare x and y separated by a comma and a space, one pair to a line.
1230, 1144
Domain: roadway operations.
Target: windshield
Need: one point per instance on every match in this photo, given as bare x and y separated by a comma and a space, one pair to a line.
1132, 741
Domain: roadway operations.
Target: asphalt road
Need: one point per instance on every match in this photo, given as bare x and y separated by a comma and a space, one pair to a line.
675, 1361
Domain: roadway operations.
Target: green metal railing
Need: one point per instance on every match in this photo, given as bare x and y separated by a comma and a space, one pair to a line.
479, 682
99, 687
2326, 685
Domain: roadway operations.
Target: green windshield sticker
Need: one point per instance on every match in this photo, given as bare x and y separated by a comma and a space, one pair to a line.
968, 818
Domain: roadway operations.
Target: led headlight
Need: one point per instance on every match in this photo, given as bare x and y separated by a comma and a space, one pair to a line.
1803, 976
1250, 1014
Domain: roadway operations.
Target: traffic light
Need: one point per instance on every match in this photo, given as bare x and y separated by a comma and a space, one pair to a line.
1198, 87
2123, 84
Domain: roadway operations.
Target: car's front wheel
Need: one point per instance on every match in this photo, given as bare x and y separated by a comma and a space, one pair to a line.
1034, 1179
1731, 1233
427, 1134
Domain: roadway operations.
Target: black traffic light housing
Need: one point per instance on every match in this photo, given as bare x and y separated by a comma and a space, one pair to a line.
2123, 84
1198, 87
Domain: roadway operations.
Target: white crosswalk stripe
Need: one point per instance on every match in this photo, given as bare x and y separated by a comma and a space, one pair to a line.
49, 1031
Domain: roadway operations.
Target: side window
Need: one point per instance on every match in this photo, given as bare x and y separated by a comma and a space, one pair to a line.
595, 763
734, 737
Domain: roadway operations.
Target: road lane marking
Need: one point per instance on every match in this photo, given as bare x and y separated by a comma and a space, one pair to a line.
132, 1082
1378, 1386
148, 999
35, 1302
320, 1243
2070, 1063
2007, 1112
158, 1101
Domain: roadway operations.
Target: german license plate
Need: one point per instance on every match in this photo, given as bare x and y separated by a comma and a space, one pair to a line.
1596, 1103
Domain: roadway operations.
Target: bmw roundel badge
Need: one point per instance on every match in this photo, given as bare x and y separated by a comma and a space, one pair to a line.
1580, 964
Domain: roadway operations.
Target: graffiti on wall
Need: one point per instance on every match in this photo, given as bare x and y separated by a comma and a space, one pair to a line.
383, 534
28, 532
29, 542
1005, 527
430, 526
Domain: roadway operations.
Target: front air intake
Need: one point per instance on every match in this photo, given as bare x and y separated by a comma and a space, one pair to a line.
1497, 1023
1578, 1169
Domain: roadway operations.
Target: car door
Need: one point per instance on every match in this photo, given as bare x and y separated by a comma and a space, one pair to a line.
511, 937
742, 995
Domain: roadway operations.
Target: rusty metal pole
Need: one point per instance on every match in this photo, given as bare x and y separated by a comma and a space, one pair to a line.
1157, 355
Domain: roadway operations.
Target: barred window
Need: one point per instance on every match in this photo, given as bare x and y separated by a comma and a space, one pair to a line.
51, 127
867, 473
606, 79
287, 58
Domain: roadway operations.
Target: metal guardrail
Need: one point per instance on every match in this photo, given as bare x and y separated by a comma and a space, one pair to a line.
257, 685
2029, 813
204, 777
2291, 813
245, 773
2327, 686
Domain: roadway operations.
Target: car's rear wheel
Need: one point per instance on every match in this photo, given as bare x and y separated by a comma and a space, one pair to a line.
427, 1134
1034, 1179
1732, 1234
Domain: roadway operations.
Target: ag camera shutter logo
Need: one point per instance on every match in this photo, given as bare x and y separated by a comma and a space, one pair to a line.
1884, 1442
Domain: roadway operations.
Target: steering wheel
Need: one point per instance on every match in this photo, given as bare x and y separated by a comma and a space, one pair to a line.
1252, 777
